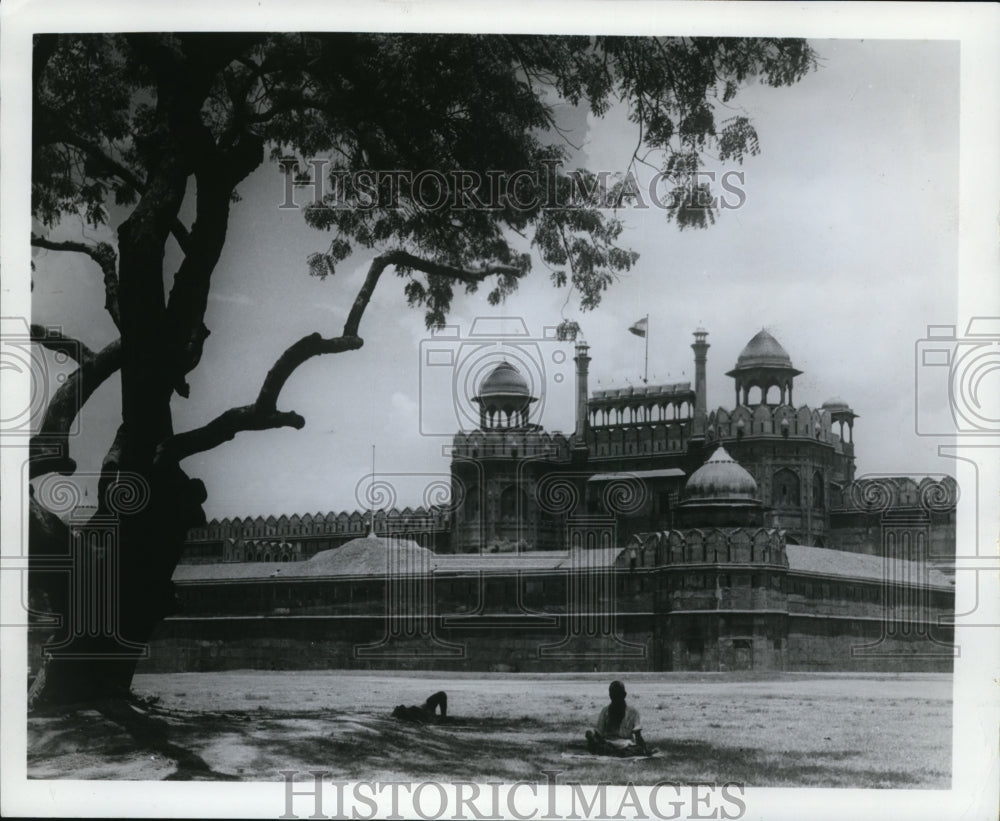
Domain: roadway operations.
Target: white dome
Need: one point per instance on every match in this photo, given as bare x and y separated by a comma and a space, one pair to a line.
763, 351
721, 477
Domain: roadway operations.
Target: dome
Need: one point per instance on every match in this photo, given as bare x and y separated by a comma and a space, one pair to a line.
763, 351
504, 380
836, 404
721, 478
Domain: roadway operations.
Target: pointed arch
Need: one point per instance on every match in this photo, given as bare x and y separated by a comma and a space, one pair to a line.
513, 502
818, 491
786, 489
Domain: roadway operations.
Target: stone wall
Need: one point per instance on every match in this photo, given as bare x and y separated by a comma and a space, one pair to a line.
706, 641
860, 532
867, 645
345, 642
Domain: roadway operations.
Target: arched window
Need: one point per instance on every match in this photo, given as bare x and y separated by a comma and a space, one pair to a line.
471, 504
513, 503
786, 492
818, 495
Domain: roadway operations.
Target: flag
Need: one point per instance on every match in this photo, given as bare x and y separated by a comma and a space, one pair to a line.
639, 329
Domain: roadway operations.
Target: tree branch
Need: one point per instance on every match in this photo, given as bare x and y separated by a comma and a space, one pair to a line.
181, 234
106, 259
217, 174
50, 445
224, 428
288, 105
98, 155
466, 275
263, 414
60, 343
56, 132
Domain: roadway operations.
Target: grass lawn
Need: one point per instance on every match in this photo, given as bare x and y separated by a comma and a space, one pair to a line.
788, 730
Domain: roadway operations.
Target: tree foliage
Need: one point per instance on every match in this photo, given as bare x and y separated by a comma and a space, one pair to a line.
448, 103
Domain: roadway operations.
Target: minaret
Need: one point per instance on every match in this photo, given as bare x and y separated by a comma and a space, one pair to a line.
700, 348
582, 362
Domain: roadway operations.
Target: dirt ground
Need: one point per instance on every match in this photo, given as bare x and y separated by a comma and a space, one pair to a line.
833, 730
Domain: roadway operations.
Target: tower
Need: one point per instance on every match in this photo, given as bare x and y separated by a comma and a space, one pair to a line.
764, 364
700, 348
841, 414
504, 398
582, 361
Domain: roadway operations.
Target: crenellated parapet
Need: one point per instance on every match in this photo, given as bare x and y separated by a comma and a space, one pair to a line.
275, 530
883, 494
511, 443
639, 439
783, 421
722, 545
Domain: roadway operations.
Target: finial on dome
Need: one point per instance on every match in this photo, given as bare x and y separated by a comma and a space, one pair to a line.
763, 351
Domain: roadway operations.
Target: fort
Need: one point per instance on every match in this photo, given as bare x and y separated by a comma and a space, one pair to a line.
658, 535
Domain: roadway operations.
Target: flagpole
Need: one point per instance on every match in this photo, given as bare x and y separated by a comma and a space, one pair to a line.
645, 366
371, 497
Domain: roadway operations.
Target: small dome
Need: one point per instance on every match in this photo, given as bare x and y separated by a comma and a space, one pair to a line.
720, 478
835, 404
764, 351
504, 380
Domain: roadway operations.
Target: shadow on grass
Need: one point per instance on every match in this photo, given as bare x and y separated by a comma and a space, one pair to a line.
256, 744
486, 748
116, 731
694, 760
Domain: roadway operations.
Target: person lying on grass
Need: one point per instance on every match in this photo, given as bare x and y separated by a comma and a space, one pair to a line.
617, 732
426, 713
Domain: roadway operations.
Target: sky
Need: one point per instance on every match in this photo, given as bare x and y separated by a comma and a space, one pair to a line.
845, 249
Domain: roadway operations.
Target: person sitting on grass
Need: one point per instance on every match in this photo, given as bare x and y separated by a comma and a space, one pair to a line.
426, 713
617, 732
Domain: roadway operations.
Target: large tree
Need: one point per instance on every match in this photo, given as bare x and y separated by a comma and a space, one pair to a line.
128, 128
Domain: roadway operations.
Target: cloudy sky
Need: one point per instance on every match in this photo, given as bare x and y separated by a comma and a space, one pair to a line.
846, 249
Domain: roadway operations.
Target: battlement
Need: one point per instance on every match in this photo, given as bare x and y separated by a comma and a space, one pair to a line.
271, 529
513, 443
881, 494
772, 420
639, 438
729, 545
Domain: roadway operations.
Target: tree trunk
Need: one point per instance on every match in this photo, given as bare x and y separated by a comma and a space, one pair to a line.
119, 586
121, 561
